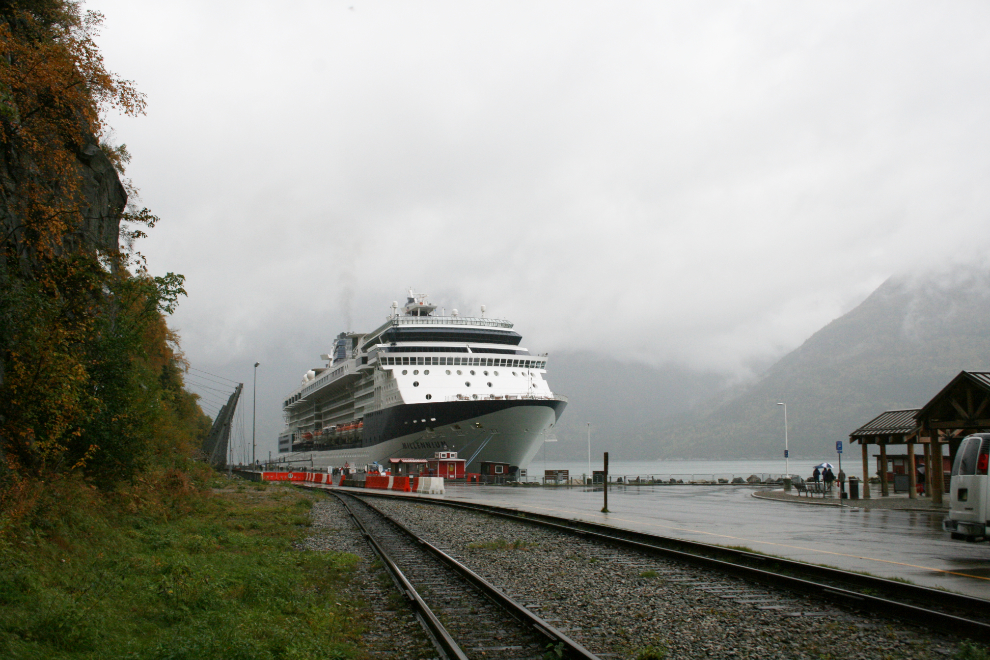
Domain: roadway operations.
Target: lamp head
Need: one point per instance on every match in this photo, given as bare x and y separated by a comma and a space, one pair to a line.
256, 364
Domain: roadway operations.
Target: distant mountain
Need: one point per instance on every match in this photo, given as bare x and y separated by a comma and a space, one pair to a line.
897, 349
625, 402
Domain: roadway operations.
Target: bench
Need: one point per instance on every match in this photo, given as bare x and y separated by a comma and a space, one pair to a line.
810, 488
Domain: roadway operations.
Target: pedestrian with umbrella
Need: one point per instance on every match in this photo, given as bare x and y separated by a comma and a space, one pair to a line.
827, 475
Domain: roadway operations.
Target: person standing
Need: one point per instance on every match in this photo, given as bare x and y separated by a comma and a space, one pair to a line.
828, 477
816, 475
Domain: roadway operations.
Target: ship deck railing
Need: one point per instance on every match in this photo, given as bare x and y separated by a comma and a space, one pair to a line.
436, 320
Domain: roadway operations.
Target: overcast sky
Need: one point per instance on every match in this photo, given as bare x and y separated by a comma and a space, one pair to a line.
705, 183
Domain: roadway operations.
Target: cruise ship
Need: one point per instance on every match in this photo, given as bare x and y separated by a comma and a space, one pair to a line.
419, 384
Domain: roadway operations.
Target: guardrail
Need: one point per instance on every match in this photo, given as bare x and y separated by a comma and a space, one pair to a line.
674, 479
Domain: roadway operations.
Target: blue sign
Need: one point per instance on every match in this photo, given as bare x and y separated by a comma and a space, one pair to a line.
785, 453
838, 446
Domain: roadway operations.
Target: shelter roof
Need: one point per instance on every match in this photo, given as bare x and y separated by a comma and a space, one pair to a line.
407, 460
963, 404
892, 422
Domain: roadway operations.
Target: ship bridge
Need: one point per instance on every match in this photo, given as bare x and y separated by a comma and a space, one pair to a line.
417, 305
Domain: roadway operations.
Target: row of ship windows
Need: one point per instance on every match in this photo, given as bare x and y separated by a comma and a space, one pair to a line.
426, 372
466, 384
467, 362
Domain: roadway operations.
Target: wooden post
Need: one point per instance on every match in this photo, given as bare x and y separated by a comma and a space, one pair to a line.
937, 485
866, 471
912, 473
928, 469
605, 484
884, 490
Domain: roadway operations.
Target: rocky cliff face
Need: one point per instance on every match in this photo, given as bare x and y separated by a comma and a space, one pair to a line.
101, 198
94, 225
104, 198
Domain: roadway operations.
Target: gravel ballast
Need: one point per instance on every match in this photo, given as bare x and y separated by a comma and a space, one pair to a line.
391, 628
619, 602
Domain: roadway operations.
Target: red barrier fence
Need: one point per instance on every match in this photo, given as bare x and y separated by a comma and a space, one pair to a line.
380, 482
312, 477
377, 481
283, 476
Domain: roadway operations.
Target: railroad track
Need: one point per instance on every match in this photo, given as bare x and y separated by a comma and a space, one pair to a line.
761, 577
465, 616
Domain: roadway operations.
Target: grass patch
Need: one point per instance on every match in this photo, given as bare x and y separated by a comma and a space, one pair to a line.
971, 651
650, 574
223, 580
501, 544
651, 653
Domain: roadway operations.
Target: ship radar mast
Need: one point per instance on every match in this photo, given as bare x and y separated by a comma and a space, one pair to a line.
418, 305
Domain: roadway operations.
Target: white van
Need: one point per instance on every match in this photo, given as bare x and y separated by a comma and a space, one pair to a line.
968, 496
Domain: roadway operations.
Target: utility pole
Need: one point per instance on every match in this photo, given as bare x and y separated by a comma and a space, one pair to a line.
254, 412
787, 468
605, 485
590, 474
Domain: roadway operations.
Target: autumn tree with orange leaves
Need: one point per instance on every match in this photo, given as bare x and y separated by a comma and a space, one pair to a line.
90, 374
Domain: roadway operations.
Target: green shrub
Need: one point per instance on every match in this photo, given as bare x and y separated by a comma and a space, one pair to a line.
971, 651
651, 653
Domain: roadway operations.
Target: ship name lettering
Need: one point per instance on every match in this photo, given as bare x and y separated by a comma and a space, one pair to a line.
435, 444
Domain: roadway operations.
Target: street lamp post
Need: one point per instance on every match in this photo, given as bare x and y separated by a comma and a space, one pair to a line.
787, 468
254, 411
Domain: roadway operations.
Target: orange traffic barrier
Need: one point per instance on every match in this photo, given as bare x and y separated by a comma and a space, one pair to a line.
283, 476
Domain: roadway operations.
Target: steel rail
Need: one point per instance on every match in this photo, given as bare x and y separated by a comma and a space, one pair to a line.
571, 648
441, 638
906, 590
783, 573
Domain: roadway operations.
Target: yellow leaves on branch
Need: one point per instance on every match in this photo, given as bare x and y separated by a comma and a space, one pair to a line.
48, 389
55, 92
57, 71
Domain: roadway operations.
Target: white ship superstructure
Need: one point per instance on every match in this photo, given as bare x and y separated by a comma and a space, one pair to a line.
418, 384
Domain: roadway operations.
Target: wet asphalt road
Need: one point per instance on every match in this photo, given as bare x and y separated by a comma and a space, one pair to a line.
889, 543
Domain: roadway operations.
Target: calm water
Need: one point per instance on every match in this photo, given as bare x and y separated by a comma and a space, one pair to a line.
685, 469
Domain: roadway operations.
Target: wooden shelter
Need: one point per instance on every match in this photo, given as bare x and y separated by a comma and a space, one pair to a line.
446, 464
961, 408
407, 467
495, 471
894, 427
